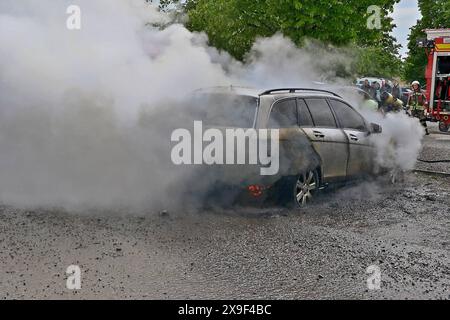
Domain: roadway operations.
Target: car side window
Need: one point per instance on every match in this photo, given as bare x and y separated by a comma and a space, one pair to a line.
321, 113
348, 118
304, 117
283, 114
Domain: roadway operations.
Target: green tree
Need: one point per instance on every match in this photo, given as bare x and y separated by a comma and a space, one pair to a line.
373, 61
233, 26
435, 14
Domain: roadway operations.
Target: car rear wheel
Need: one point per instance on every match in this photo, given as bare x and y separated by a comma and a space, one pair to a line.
306, 188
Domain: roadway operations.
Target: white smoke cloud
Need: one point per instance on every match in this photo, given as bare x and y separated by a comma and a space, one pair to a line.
400, 143
70, 100
75, 106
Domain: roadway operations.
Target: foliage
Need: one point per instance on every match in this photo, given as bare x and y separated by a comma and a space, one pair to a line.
374, 62
233, 26
435, 14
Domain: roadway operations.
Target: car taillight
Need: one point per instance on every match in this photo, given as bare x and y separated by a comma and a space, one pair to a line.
256, 190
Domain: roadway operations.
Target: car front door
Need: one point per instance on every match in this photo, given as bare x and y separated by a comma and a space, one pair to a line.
361, 152
329, 141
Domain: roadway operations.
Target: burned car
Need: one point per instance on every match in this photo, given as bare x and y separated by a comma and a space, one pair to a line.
322, 139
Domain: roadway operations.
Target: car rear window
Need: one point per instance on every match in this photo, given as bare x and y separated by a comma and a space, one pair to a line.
321, 113
283, 114
304, 117
223, 110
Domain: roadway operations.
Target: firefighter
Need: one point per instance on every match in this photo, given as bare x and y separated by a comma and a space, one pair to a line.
416, 104
368, 103
389, 103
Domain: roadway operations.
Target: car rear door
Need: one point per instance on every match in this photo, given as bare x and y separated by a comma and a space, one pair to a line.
295, 156
361, 152
329, 141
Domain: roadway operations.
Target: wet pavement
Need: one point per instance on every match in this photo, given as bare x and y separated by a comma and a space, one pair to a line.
321, 252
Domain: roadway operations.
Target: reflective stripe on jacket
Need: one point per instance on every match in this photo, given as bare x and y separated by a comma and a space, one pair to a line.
417, 100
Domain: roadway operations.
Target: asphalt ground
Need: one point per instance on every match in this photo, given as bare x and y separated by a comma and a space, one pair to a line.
321, 252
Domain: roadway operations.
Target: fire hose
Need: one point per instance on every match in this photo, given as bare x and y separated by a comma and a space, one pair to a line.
433, 161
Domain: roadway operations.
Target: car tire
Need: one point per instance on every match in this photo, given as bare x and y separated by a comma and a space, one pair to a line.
443, 127
305, 188
287, 189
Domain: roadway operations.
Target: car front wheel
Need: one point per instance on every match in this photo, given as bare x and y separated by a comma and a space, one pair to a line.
443, 127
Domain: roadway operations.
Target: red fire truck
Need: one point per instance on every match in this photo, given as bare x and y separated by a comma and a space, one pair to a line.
437, 75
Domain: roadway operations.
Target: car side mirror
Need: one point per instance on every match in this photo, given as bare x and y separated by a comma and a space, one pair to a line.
375, 128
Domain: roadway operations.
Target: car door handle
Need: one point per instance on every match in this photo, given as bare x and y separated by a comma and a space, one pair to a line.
353, 137
319, 134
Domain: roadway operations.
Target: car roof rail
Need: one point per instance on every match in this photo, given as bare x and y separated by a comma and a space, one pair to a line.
294, 90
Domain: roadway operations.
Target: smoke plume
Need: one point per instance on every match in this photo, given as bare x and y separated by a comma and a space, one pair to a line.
78, 124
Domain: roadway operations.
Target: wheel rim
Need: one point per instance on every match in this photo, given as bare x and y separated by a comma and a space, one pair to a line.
305, 187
